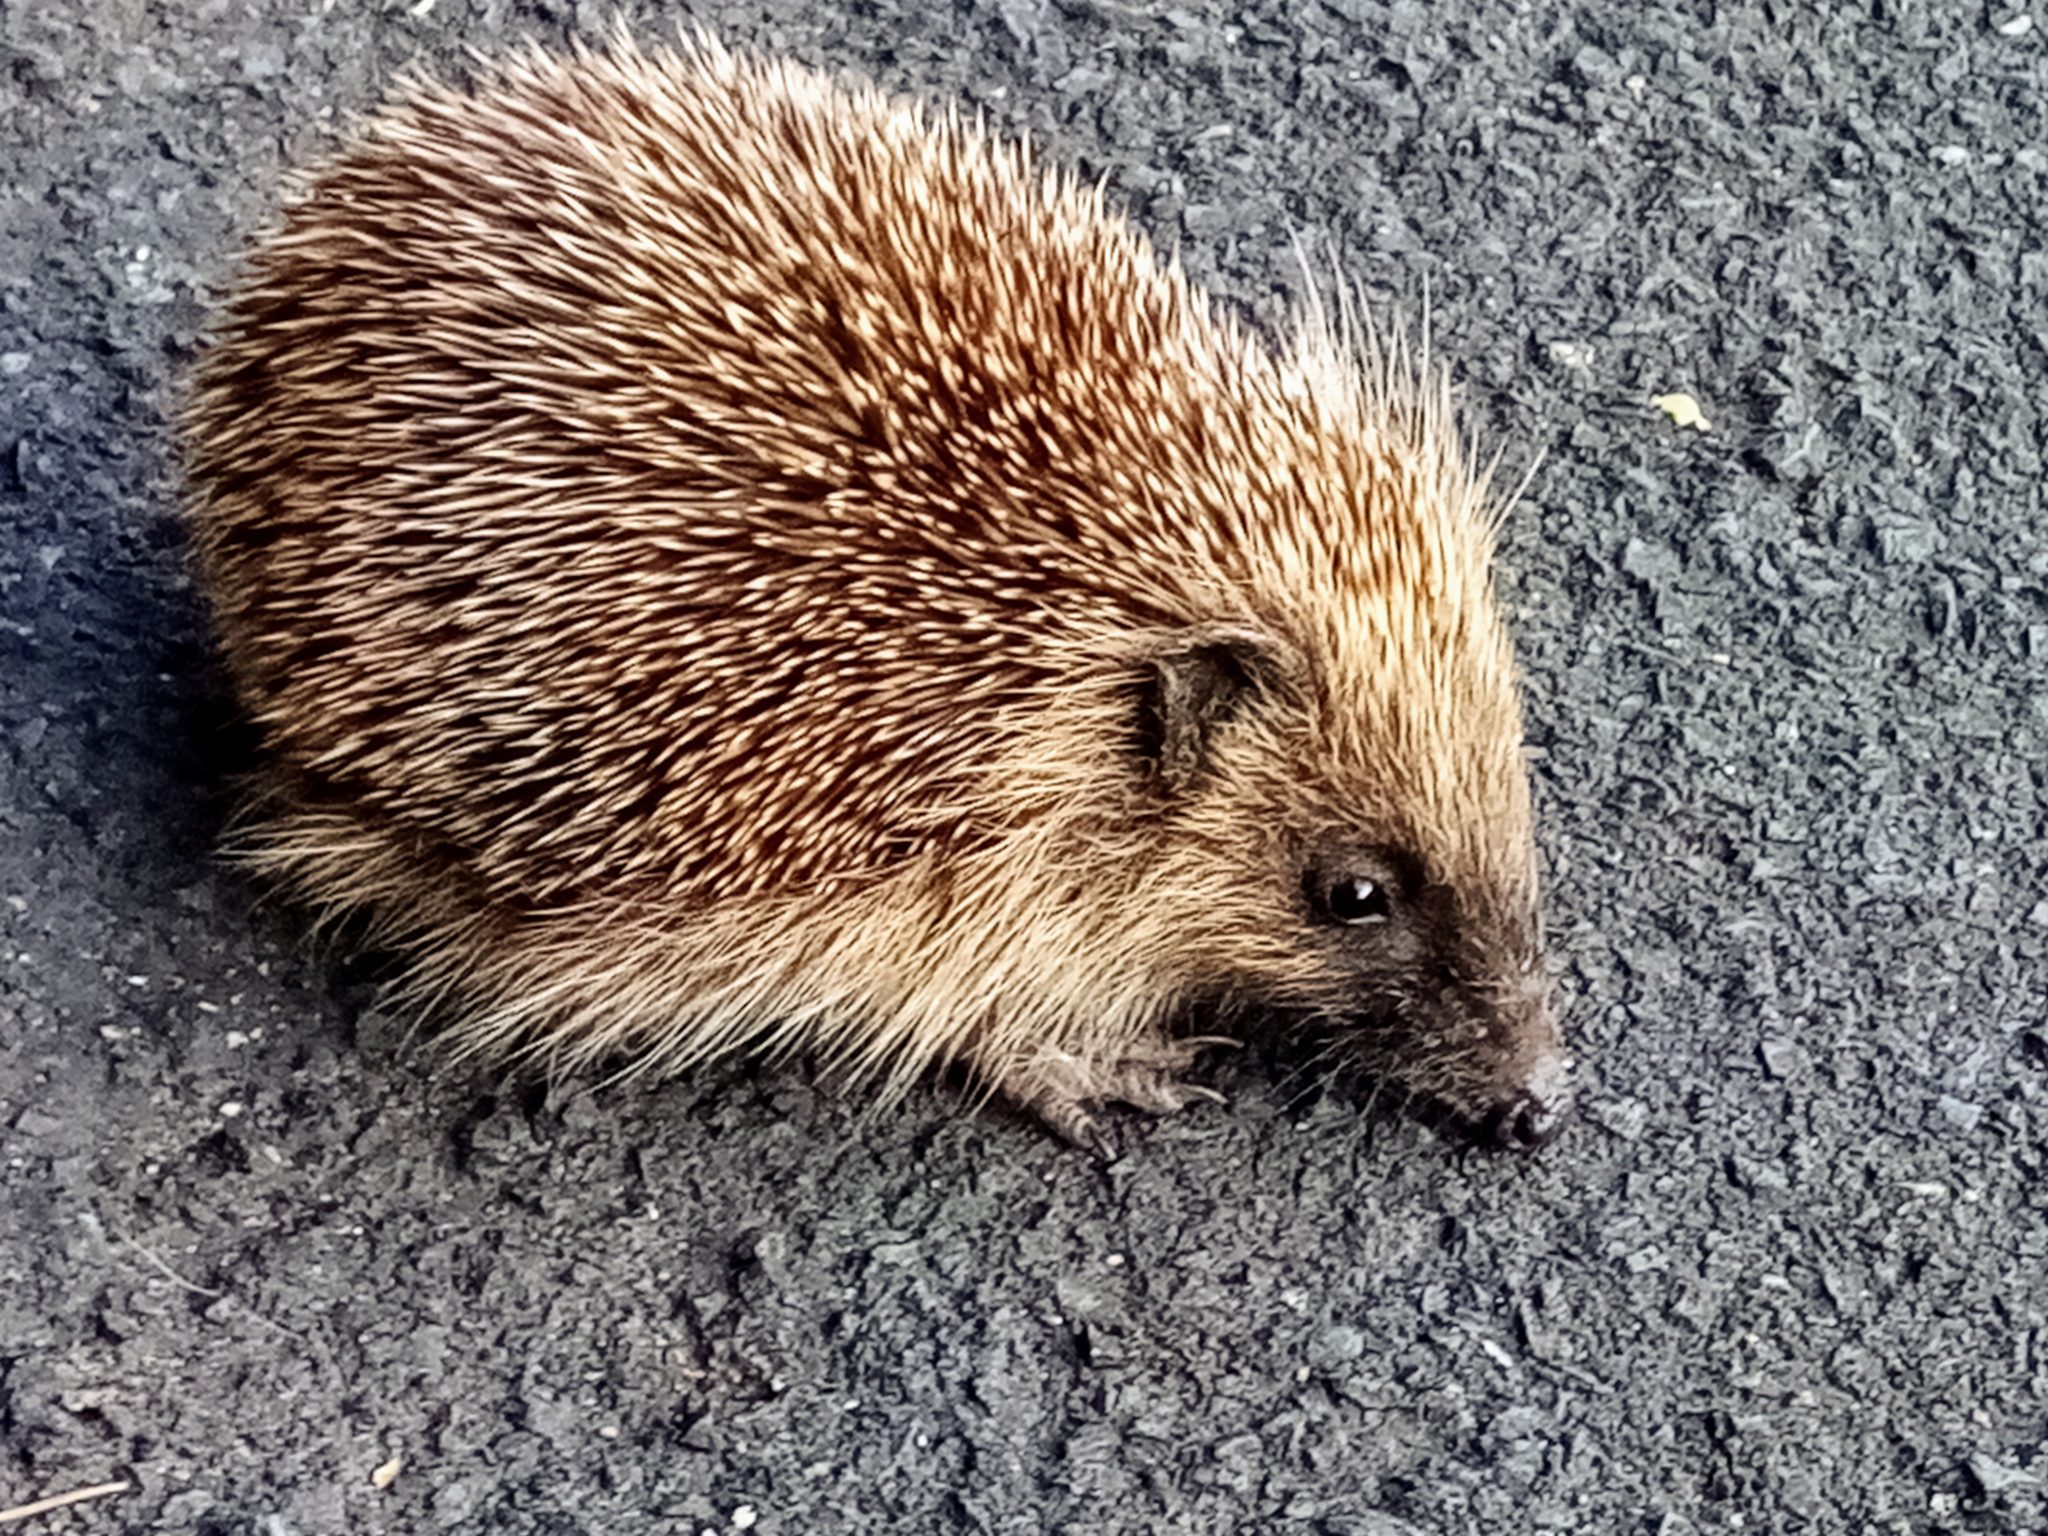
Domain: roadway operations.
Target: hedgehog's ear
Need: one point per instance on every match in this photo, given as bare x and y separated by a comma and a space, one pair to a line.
1192, 684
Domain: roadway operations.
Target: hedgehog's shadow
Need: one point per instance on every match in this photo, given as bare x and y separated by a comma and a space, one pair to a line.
143, 739
1301, 1081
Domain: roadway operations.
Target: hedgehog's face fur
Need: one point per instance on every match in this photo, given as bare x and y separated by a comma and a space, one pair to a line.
1410, 944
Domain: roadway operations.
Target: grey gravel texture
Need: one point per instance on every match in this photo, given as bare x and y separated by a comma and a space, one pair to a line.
1788, 1272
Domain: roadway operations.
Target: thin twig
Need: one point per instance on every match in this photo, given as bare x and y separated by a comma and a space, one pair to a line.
61, 1501
90, 1220
171, 1274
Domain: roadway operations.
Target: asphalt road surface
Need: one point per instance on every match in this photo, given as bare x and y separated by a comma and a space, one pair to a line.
1788, 1272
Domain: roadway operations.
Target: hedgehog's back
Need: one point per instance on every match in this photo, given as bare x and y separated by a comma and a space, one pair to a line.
650, 474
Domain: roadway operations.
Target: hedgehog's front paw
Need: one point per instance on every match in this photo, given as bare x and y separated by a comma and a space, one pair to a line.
1063, 1088
1147, 1076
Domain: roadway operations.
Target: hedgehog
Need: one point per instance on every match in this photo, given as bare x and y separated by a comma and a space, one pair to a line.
719, 558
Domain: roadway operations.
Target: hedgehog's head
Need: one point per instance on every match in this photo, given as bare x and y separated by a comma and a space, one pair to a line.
1353, 851
1342, 797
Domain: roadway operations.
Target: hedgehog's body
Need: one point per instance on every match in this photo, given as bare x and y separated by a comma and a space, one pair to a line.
722, 559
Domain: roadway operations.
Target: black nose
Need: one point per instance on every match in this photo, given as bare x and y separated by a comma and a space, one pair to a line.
1522, 1124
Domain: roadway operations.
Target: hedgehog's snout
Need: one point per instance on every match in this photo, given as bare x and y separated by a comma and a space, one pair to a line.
1517, 1090
1531, 1113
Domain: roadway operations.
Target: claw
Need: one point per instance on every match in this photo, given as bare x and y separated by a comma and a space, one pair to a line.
1068, 1120
1100, 1143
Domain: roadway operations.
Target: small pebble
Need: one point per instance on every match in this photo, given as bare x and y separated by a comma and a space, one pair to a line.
260, 61
1960, 1113
1336, 1345
1782, 1058
1996, 1477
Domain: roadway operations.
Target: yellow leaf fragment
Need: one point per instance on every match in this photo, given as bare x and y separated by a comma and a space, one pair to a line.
387, 1474
1683, 410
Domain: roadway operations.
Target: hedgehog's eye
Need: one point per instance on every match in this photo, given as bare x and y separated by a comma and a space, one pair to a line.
1357, 901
